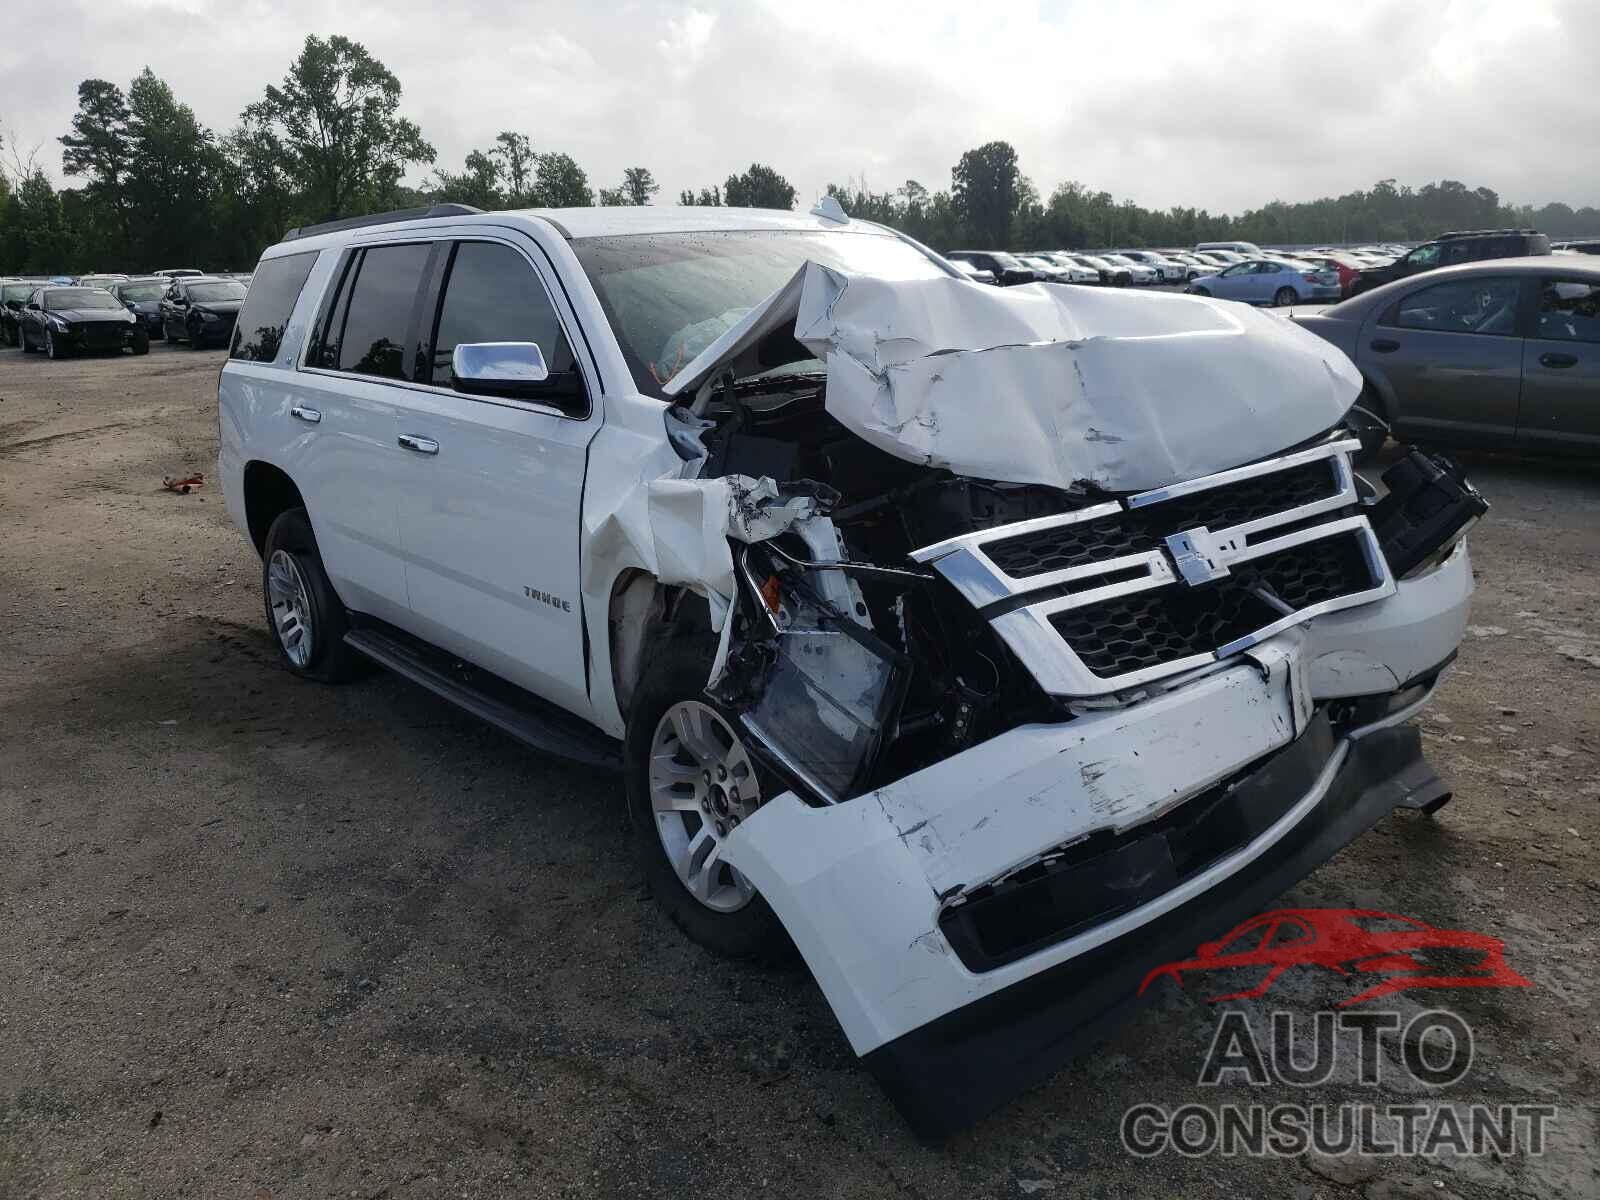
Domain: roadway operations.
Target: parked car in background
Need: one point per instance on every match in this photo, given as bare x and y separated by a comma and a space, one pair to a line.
14, 293
1452, 249
1582, 246
1005, 269
1141, 275
1110, 274
1223, 258
201, 311
100, 281
976, 274
1194, 266
1276, 281
1502, 354
1347, 267
66, 320
1242, 249
178, 272
1166, 270
1063, 270
142, 297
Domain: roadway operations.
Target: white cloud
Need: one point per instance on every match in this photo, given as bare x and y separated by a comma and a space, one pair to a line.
1222, 105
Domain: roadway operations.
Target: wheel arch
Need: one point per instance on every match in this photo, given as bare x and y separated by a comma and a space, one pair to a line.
642, 611
268, 493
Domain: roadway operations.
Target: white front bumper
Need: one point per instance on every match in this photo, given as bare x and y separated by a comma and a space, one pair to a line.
860, 885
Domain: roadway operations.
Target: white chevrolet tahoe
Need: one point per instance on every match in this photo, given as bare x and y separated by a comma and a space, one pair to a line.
990, 646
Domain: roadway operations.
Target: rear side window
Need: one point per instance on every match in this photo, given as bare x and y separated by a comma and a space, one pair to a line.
1569, 310
1462, 306
258, 333
371, 320
492, 294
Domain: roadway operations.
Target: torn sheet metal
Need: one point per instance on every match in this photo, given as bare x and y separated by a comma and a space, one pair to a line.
678, 529
1047, 384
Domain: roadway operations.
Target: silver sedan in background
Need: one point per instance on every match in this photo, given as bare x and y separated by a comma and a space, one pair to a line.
1275, 281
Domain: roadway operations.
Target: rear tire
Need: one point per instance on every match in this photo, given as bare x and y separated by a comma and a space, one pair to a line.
305, 616
657, 761
1284, 297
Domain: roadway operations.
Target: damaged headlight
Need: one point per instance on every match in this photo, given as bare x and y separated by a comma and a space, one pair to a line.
817, 693
1428, 508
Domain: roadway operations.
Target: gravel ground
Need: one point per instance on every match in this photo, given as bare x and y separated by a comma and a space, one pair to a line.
269, 939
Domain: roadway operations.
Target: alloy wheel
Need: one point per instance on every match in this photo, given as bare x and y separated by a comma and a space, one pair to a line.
702, 784
291, 608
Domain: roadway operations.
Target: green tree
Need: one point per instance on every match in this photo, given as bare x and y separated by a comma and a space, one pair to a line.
638, 185
985, 188
558, 182
100, 149
710, 197
171, 167
759, 187
517, 163
36, 238
478, 184
337, 119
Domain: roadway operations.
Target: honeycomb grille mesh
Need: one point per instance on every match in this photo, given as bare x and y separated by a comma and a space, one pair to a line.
1152, 628
1144, 529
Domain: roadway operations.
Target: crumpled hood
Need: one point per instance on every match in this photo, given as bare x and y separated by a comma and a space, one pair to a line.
1048, 383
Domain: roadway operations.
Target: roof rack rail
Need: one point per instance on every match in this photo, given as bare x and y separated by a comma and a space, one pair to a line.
1460, 233
385, 218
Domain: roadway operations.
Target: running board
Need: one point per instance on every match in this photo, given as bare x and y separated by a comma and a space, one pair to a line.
508, 708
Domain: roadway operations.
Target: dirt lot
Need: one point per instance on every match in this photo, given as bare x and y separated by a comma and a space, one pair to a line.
260, 938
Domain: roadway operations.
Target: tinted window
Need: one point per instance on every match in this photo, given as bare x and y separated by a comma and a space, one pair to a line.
492, 295
64, 300
222, 290
140, 291
273, 292
1423, 256
1569, 311
368, 336
1462, 306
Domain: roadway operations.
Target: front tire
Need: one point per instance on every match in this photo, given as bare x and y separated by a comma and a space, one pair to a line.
197, 339
52, 349
141, 343
690, 780
304, 614
1199, 291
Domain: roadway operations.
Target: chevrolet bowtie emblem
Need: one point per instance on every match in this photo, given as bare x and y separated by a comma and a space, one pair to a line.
1198, 555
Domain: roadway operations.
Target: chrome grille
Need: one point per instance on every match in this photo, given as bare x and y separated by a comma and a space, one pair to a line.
1114, 595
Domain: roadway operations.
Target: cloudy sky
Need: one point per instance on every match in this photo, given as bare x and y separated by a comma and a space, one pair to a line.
1223, 104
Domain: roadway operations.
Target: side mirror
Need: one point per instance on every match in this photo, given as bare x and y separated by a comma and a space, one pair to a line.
33, 306
515, 371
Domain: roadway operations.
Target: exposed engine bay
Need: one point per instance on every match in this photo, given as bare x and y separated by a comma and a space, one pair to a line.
853, 665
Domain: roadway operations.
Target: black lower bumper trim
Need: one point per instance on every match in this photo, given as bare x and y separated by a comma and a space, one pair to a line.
954, 1070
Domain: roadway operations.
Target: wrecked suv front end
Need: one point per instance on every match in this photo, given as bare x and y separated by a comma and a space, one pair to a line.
1068, 627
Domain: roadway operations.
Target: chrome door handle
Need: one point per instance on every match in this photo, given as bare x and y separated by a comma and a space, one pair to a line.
422, 445
309, 415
